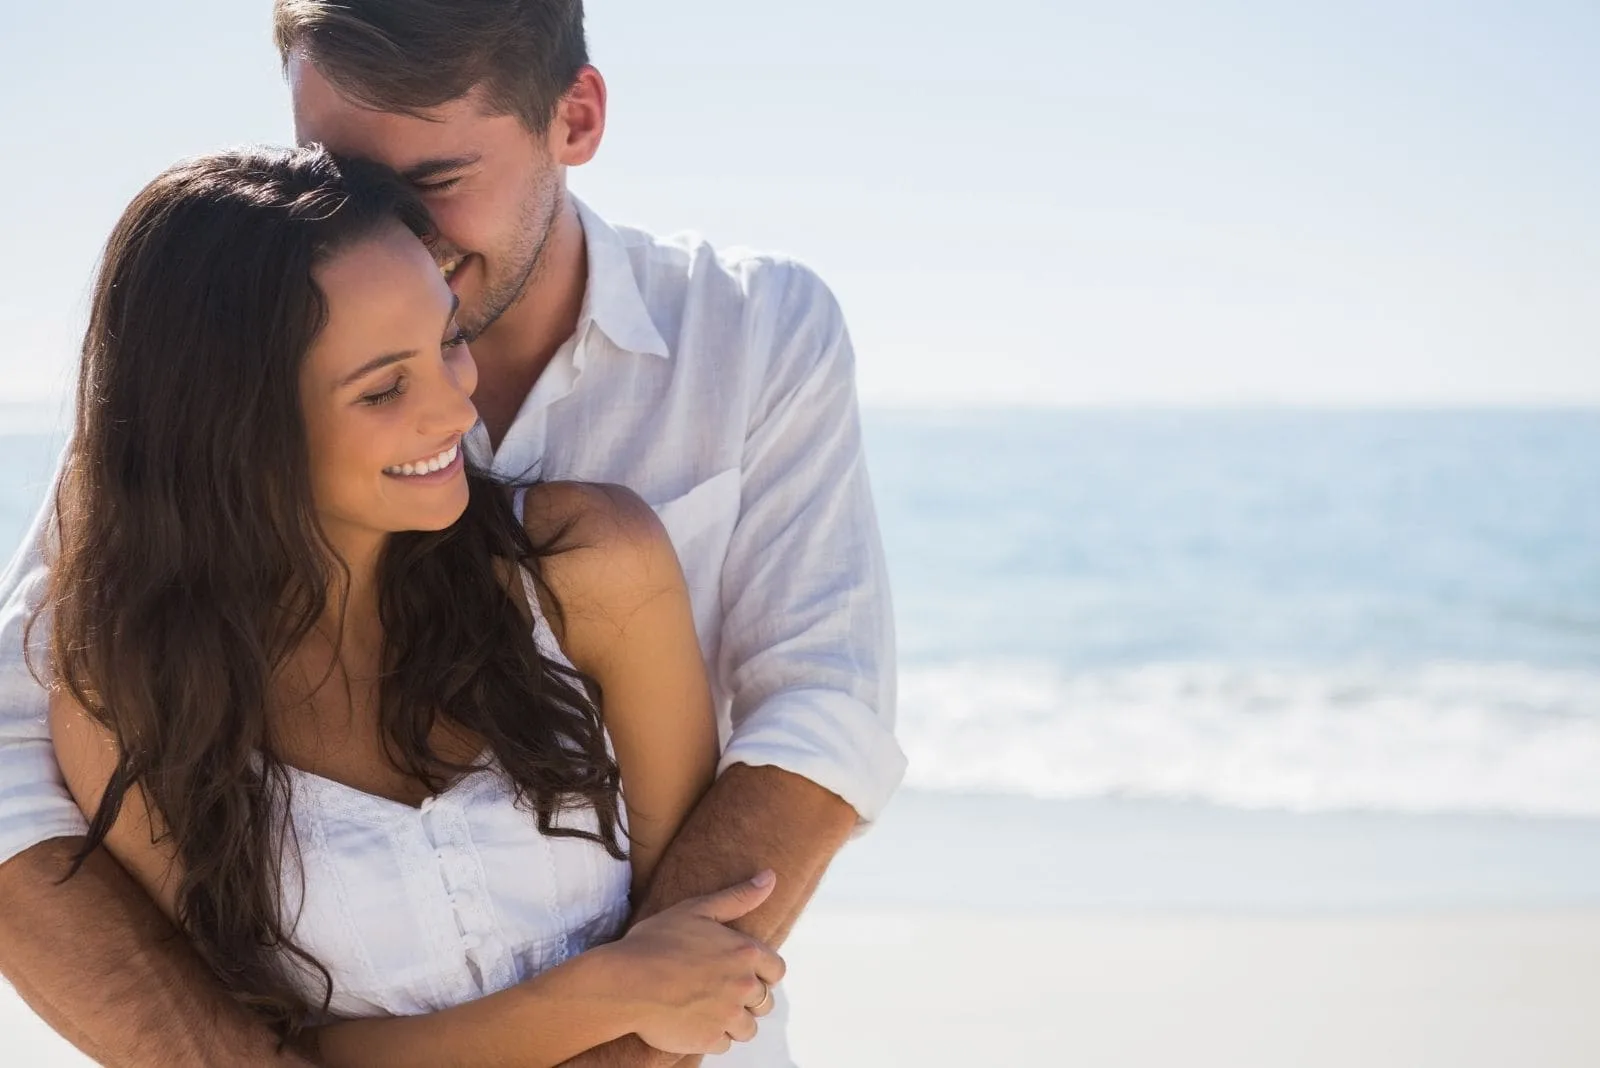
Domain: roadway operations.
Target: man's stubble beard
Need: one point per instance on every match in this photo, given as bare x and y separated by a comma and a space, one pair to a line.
526, 256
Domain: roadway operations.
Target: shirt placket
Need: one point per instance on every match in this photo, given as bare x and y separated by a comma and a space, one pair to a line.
486, 959
523, 450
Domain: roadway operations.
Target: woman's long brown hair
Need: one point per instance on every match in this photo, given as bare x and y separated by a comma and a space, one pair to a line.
191, 562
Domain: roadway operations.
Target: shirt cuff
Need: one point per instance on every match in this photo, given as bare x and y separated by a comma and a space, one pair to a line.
34, 805
827, 737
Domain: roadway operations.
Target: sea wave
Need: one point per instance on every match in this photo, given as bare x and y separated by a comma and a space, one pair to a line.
1445, 737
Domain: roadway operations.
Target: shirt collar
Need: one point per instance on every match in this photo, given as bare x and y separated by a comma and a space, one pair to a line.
612, 300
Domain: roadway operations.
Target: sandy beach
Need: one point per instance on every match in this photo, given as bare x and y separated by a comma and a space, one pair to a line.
939, 990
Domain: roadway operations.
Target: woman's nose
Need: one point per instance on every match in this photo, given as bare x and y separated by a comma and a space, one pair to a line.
465, 369
452, 411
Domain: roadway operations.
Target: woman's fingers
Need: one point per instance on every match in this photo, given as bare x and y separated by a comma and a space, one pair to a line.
728, 905
770, 968
743, 1029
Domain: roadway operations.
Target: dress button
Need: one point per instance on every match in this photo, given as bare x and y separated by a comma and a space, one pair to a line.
471, 941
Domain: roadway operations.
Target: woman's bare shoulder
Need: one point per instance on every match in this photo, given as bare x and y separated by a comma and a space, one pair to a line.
607, 554
588, 515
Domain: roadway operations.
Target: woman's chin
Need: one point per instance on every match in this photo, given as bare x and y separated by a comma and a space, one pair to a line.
443, 522
434, 519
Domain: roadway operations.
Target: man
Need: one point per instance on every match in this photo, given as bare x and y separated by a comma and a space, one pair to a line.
718, 387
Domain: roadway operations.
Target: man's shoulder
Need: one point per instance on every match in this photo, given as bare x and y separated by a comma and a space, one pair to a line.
688, 263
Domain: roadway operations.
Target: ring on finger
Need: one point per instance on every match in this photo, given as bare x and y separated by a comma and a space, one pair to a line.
766, 996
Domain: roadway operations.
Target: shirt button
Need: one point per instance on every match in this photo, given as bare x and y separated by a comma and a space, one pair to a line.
471, 941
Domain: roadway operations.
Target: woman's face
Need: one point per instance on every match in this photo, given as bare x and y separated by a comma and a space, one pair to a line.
385, 390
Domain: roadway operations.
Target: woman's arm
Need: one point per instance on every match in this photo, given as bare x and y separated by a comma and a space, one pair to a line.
625, 620
543, 1022
681, 980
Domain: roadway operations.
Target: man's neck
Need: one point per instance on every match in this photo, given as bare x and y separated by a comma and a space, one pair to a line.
513, 353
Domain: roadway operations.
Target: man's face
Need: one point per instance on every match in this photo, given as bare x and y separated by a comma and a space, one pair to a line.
493, 186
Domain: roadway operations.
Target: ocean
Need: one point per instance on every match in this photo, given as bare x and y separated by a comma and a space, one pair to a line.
1366, 612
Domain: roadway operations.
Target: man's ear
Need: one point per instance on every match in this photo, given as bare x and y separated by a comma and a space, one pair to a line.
580, 120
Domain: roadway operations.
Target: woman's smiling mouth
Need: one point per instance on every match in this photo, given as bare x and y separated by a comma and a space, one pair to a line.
430, 465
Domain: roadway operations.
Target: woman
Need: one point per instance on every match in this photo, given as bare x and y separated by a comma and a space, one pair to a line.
370, 728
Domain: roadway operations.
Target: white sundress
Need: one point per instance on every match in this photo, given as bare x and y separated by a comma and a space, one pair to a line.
413, 910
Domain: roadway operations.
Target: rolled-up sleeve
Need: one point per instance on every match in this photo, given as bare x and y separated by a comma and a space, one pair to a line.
807, 646
34, 803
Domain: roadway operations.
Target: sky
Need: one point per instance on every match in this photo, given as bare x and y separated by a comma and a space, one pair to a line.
1019, 202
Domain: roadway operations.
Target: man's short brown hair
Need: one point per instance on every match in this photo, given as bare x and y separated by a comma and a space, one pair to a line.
410, 55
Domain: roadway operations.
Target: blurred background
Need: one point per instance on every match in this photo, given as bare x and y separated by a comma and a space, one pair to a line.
1231, 380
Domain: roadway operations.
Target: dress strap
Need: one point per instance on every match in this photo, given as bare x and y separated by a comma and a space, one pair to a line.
543, 635
530, 590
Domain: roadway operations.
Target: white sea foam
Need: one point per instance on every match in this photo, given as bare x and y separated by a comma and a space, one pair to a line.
1441, 738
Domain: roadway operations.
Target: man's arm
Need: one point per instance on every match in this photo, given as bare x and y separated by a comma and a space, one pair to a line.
99, 962
731, 831
807, 643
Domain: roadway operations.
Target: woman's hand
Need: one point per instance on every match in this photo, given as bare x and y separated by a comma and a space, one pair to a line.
702, 984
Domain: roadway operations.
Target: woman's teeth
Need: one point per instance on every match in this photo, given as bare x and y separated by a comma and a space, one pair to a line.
428, 466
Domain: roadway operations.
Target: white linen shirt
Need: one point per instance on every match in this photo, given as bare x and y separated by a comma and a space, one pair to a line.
742, 432
719, 386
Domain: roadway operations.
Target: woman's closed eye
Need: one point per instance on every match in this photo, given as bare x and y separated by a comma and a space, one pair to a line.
394, 392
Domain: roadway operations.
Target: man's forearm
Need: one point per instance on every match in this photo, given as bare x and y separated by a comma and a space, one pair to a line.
755, 818
752, 818
99, 962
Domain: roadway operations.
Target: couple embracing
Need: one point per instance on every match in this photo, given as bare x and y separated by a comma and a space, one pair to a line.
461, 620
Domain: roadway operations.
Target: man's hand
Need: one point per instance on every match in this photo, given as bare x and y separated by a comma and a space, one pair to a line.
752, 818
99, 962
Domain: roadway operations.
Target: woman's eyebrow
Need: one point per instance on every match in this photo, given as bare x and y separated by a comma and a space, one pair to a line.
378, 363
375, 364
